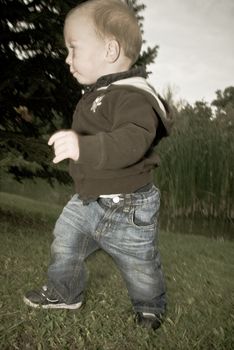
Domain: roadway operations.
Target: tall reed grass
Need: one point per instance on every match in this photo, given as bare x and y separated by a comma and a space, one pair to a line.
196, 171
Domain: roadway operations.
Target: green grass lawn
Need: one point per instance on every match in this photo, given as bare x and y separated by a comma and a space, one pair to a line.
200, 281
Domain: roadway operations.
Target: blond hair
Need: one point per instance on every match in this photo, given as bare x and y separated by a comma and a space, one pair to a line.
114, 19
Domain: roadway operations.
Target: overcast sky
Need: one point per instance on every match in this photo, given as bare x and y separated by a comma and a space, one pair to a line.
196, 39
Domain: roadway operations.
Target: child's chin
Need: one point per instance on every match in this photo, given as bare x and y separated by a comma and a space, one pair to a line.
83, 80
78, 78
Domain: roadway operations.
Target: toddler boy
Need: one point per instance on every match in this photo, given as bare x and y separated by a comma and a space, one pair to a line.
116, 125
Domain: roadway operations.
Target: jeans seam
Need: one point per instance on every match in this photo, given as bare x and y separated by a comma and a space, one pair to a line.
77, 267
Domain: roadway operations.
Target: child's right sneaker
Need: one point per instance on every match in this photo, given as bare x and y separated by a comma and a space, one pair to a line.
149, 320
45, 299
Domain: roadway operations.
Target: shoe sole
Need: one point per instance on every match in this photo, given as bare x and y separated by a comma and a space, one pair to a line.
53, 306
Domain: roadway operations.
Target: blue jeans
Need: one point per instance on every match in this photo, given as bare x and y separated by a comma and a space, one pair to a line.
127, 231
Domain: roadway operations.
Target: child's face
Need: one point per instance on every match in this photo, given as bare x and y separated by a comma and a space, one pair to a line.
86, 51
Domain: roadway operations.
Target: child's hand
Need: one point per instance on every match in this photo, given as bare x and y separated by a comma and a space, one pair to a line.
65, 145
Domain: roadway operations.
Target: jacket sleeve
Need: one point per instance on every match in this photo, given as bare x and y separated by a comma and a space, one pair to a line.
132, 134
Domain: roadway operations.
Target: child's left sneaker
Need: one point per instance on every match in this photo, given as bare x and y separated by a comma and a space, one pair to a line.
45, 299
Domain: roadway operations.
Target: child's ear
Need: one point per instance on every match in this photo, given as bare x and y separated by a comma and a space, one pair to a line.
112, 50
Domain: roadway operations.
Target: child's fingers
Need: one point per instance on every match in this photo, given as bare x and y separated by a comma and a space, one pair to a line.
60, 155
58, 159
56, 136
60, 147
65, 144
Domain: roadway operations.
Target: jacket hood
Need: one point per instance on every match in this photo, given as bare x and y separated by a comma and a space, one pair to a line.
160, 106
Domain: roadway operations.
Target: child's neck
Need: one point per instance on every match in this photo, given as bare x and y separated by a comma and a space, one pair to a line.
122, 65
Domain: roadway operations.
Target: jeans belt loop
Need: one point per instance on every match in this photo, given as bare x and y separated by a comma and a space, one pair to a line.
127, 204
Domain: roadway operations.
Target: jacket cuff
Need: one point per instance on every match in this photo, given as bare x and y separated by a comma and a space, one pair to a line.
90, 150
